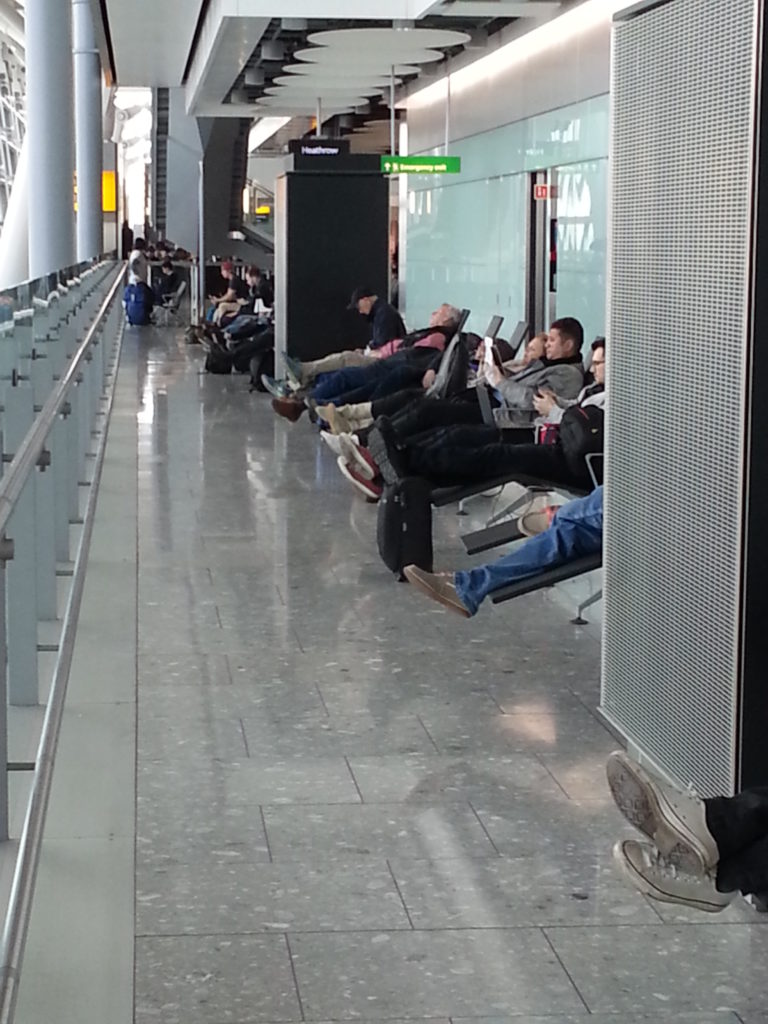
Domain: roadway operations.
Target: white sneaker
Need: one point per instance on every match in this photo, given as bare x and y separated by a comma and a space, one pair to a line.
675, 819
332, 441
646, 869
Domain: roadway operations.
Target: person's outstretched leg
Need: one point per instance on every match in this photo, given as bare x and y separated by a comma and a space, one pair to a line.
329, 386
389, 405
449, 465
576, 530
429, 413
745, 871
737, 822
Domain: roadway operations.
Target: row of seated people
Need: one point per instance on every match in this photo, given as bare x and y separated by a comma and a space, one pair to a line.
385, 421
242, 308
695, 853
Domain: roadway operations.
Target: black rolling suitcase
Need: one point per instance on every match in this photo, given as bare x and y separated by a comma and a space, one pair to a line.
404, 525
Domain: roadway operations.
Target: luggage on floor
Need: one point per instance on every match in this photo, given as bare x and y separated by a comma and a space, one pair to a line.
247, 349
404, 525
218, 360
138, 301
262, 363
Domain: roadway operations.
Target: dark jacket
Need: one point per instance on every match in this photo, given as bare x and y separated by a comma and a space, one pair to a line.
386, 322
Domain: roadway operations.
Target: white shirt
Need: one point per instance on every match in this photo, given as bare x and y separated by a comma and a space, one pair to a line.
138, 268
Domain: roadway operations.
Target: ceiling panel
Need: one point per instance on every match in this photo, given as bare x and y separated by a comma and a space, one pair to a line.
151, 40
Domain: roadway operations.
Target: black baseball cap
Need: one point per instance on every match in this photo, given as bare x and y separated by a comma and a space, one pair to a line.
360, 293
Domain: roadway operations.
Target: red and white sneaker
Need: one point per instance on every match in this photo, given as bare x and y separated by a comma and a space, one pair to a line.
369, 488
358, 456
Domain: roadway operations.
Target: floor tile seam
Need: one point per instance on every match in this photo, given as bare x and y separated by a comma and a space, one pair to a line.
565, 971
294, 975
354, 779
388, 930
552, 776
399, 893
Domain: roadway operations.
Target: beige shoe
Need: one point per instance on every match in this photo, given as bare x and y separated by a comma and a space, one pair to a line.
646, 869
336, 418
675, 819
439, 586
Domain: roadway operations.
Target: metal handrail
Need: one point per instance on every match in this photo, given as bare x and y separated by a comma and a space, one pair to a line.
28, 857
30, 449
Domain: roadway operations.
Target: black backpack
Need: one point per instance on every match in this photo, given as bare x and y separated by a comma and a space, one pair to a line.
219, 360
262, 363
581, 433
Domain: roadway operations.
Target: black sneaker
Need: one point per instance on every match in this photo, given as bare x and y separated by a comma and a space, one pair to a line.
388, 456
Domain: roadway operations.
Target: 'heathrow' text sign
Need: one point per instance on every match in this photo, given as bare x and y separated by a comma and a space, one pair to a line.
421, 164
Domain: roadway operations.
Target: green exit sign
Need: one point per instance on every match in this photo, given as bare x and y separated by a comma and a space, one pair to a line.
421, 164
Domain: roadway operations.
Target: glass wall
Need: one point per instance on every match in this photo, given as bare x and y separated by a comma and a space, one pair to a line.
466, 236
582, 229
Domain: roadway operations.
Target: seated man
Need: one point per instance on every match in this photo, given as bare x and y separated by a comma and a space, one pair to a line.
701, 852
470, 454
442, 325
252, 318
167, 283
576, 530
235, 295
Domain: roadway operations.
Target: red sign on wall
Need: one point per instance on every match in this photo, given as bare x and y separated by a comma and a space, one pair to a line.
544, 192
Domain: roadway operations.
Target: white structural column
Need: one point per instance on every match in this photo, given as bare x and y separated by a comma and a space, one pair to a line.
88, 142
50, 130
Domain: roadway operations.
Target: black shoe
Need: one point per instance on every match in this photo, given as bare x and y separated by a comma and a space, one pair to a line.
383, 446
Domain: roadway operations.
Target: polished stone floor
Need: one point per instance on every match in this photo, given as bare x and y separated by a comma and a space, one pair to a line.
350, 804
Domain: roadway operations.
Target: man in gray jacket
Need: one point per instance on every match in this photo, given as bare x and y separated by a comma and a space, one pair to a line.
560, 372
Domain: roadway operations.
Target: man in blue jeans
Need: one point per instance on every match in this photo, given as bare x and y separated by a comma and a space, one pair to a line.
576, 530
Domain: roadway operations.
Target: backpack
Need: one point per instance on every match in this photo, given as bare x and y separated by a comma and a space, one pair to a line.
218, 360
581, 433
138, 300
262, 364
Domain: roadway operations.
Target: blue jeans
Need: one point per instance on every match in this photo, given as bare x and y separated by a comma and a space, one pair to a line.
576, 530
329, 386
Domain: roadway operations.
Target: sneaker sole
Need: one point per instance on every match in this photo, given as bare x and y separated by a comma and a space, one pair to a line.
370, 494
351, 453
378, 449
331, 441
425, 588
644, 807
638, 881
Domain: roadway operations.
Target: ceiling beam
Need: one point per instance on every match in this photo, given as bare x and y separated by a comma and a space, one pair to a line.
497, 9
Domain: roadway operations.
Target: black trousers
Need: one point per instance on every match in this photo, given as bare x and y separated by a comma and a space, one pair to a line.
452, 463
739, 826
428, 413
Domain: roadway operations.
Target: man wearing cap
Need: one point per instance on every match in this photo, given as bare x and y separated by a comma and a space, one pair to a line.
235, 294
386, 322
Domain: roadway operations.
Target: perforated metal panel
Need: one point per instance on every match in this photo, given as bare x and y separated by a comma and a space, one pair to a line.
682, 91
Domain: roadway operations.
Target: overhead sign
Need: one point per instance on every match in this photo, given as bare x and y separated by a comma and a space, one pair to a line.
421, 164
319, 147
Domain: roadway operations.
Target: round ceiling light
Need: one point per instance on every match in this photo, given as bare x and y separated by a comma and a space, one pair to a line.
298, 104
310, 95
337, 68
325, 84
398, 40
375, 59
355, 74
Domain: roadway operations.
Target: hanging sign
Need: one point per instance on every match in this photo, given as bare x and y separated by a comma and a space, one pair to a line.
421, 164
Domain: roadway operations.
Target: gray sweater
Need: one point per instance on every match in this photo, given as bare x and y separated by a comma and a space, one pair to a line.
563, 378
